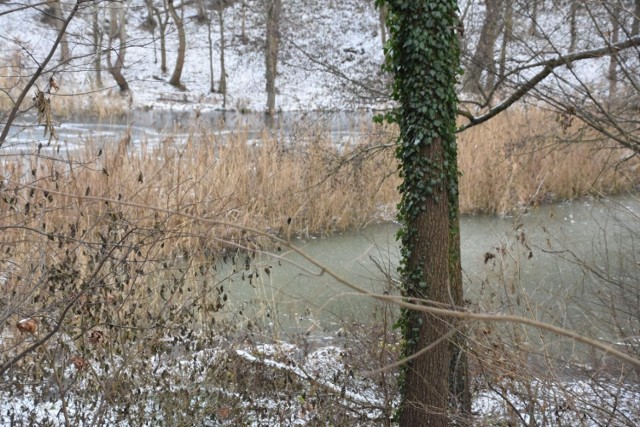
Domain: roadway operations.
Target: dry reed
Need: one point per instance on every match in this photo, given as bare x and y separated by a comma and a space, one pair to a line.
527, 158
519, 159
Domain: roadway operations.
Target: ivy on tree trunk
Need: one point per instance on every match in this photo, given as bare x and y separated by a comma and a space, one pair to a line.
423, 54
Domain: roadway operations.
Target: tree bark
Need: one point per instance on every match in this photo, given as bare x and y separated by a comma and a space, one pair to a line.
459, 386
483, 58
424, 59
117, 30
426, 397
97, 46
271, 52
64, 43
182, 46
223, 72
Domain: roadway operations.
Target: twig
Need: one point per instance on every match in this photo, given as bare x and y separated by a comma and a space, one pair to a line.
23, 94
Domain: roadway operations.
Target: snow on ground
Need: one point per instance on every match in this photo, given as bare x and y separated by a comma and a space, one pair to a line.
350, 45
325, 48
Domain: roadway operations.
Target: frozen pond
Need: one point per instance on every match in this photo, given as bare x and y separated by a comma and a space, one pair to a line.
565, 264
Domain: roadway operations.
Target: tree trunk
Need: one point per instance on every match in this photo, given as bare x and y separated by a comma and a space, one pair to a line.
212, 87
614, 16
117, 30
426, 385
243, 27
483, 58
271, 52
507, 36
182, 46
97, 46
223, 72
422, 37
459, 387
573, 30
201, 11
533, 29
150, 22
635, 26
162, 24
64, 43
383, 25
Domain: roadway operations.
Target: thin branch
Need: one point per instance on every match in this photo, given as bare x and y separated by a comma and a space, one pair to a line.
58, 325
548, 66
408, 303
39, 71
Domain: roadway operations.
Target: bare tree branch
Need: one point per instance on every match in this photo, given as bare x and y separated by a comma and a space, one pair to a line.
36, 75
548, 67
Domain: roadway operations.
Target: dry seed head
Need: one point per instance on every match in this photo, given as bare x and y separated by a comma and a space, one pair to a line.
27, 326
78, 362
96, 337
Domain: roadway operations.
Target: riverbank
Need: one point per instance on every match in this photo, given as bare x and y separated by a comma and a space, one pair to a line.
324, 180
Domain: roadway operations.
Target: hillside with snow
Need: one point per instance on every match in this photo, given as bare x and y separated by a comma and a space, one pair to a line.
318, 41
330, 53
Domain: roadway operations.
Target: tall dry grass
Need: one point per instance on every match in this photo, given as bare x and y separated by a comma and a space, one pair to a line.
66, 101
526, 158
519, 159
320, 185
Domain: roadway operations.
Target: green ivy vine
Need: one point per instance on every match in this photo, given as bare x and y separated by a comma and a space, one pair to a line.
422, 54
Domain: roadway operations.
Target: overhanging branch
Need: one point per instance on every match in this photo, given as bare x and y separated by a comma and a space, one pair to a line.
547, 68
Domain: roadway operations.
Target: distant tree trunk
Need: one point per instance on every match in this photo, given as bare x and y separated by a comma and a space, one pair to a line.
271, 52
483, 58
507, 36
117, 31
150, 22
243, 22
162, 24
182, 45
64, 42
573, 30
97, 35
533, 29
614, 16
635, 27
383, 24
201, 11
212, 87
223, 72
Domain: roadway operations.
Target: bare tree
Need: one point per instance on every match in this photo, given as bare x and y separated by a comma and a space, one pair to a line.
182, 44
162, 29
223, 72
64, 43
483, 59
272, 43
117, 34
98, 35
